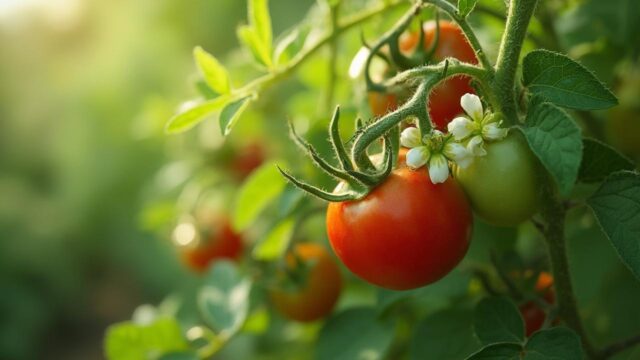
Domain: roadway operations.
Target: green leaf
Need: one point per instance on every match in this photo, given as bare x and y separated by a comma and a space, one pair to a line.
564, 82
555, 139
275, 243
498, 320
232, 112
260, 20
195, 114
258, 191
552, 344
502, 351
599, 160
129, 341
446, 335
213, 72
616, 205
257, 36
290, 44
354, 334
224, 299
466, 6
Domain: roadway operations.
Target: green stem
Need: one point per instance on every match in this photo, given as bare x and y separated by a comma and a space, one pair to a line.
520, 13
554, 213
344, 25
452, 11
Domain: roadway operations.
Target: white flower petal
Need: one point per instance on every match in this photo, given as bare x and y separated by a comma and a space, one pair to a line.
417, 157
459, 154
493, 131
461, 128
438, 169
475, 146
472, 106
410, 137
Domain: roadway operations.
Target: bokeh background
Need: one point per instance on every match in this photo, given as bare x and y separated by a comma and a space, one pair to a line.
85, 90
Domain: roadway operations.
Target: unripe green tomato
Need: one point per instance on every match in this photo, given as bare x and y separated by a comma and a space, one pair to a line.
503, 186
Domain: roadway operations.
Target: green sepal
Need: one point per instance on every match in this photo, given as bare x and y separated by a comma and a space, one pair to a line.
322, 194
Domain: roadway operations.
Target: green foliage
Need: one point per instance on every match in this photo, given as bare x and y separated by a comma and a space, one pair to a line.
257, 36
498, 320
196, 113
616, 205
232, 112
564, 82
354, 334
257, 192
129, 341
555, 139
445, 335
213, 72
224, 299
555, 343
466, 6
599, 160
275, 242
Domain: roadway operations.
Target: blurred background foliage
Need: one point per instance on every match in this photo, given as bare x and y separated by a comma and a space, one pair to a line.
90, 187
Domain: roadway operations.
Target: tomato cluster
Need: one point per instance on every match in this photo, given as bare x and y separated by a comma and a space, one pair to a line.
444, 100
318, 288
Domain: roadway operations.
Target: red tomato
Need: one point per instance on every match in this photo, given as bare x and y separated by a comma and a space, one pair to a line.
248, 159
405, 234
444, 101
532, 314
221, 242
318, 294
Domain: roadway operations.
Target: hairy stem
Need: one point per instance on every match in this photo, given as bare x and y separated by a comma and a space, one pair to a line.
452, 11
520, 13
554, 214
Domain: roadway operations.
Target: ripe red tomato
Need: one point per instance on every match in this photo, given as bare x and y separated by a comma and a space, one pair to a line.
220, 242
405, 234
532, 314
316, 297
444, 100
247, 159
503, 186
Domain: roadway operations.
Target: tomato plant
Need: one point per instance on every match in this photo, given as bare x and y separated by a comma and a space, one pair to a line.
217, 241
459, 128
394, 238
503, 186
317, 284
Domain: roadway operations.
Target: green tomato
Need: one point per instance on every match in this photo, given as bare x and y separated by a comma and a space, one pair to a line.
504, 186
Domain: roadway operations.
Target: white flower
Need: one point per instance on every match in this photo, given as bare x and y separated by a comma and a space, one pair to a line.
493, 131
417, 157
472, 106
475, 146
458, 154
438, 168
461, 127
410, 137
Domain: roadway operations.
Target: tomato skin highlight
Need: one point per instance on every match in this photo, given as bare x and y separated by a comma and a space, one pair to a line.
223, 243
405, 234
503, 186
321, 290
532, 314
444, 100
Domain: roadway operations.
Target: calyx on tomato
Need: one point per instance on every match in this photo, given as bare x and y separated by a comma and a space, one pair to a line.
317, 288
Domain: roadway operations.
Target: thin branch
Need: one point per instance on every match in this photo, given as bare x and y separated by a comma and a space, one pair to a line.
618, 347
